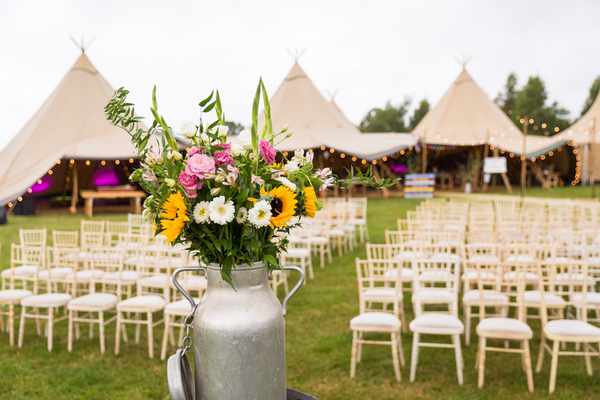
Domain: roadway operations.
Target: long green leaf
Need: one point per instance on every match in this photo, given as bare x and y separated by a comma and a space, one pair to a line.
268, 129
254, 128
206, 100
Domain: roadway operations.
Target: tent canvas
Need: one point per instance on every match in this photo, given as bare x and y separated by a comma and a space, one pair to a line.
69, 124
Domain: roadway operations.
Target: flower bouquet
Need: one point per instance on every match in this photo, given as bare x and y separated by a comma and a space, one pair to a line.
230, 204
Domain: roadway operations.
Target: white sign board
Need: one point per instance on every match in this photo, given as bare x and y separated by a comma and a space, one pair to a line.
494, 165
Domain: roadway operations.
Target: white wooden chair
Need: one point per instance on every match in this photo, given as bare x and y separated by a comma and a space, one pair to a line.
9, 299
435, 283
502, 328
65, 239
140, 310
33, 237
379, 323
25, 264
402, 262
44, 307
92, 234
376, 292
578, 332
298, 254
112, 231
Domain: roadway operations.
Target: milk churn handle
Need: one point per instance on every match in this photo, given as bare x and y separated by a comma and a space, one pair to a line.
295, 288
180, 288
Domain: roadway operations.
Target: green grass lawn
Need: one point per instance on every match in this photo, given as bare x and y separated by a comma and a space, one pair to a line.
318, 348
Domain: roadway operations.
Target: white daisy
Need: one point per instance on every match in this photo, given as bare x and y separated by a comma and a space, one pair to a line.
221, 212
242, 215
200, 212
286, 182
260, 214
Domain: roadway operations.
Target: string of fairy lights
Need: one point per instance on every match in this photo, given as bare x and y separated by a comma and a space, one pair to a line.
72, 164
333, 152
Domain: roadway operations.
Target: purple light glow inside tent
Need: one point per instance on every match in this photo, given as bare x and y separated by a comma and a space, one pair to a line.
105, 177
399, 169
43, 184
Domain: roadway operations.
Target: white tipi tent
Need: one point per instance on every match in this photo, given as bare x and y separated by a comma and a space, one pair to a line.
69, 124
466, 116
313, 121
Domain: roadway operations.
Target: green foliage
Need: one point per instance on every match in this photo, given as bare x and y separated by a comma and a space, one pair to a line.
531, 101
593, 93
418, 114
390, 118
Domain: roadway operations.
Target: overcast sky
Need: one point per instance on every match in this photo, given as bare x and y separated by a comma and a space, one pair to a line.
368, 51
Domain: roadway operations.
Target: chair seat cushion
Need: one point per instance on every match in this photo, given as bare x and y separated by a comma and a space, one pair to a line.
121, 276
55, 273
483, 259
445, 257
86, 275
406, 274
435, 276
471, 275
375, 322
572, 278
504, 327
488, 296
144, 303
591, 298
94, 301
571, 328
434, 295
24, 271
13, 295
407, 255
520, 259
437, 324
297, 253
181, 307
381, 294
534, 297
529, 277
194, 282
46, 300
317, 240
155, 281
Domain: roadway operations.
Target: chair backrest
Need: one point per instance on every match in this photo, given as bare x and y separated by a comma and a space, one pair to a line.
33, 237
92, 226
571, 281
27, 255
65, 239
114, 229
92, 240
436, 272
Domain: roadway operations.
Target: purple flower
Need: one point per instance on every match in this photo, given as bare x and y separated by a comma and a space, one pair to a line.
200, 165
267, 151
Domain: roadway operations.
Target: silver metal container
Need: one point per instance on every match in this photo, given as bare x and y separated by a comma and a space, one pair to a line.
239, 337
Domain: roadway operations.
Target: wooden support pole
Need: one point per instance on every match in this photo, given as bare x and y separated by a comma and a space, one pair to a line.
424, 157
524, 157
74, 191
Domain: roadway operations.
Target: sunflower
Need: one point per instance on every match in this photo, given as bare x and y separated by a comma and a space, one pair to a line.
283, 205
173, 216
310, 201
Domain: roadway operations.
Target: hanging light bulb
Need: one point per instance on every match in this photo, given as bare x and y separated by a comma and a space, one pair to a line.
88, 162
343, 155
332, 150
117, 162
131, 161
103, 163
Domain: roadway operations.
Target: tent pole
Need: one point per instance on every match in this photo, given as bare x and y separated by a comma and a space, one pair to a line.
74, 191
486, 150
424, 158
524, 157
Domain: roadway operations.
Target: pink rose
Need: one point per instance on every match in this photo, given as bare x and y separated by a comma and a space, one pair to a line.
200, 165
224, 146
189, 183
194, 150
223, 157
267, 151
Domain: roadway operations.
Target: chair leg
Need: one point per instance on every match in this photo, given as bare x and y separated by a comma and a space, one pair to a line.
458, 355
394, 345
138, 328
481, 362
588, 360
467, 312
118, 333
150, 335
360, 346
400, 349
165, 338
50, 327
101, 332
528, 371
554, 365
70, 331
353, 354
414, 357
22, 326
542, 350
11, 324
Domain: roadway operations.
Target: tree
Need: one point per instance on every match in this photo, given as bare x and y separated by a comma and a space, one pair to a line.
387, 119
506, 99
530, 101
234, 128
418, 114
594, 89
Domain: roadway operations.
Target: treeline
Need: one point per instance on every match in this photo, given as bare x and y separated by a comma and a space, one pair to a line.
528, 100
